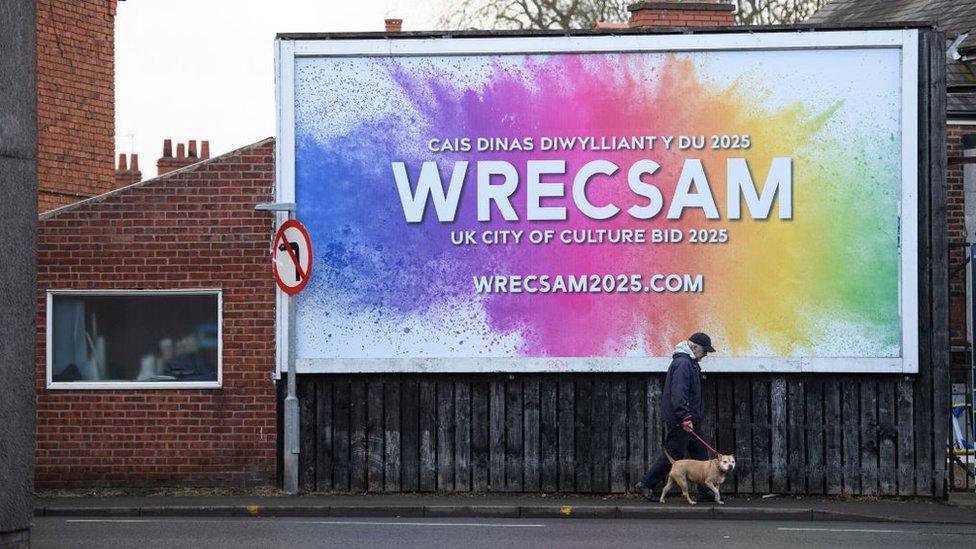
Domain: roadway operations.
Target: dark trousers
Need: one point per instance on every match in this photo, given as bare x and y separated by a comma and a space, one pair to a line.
680, 444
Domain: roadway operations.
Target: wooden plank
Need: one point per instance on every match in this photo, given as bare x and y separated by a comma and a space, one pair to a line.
584, 422
410, 436
833, 441
323, 433
496, 433
815, 436
357, 436
428, 436
618, 435
924, 442
887, 474
306, 435
906, 438
513, 440
940, 261
869, 438
445, 436
549, 435
636, 431
653, 420
710, 413
567, 435
462, 436
796, 465
761, 437
391, 432
375, 433
340, 457
725, 422
600, 435
924, 485
851, 434
530, 433
778, 438
743, 435
479, 437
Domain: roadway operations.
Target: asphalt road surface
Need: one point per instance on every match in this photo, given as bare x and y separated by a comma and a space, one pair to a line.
241, 533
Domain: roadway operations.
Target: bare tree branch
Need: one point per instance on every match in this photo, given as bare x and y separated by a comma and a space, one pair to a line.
584, 14
773, 12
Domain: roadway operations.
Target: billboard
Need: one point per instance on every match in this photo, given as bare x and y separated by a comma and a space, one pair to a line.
584, 203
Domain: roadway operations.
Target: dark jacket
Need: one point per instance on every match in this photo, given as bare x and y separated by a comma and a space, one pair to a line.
682, 397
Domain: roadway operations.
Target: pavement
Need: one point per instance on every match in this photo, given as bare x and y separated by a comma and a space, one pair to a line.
512, 506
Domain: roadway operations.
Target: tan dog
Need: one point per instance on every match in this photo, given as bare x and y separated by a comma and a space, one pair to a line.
710, 473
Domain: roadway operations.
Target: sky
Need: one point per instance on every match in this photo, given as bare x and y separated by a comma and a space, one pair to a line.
204, 69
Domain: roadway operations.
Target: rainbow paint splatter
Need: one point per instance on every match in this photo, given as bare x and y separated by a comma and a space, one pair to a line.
822, 284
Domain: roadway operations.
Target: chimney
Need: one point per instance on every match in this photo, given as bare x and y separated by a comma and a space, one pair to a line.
185, 155
682, 13
127, 172
393, 25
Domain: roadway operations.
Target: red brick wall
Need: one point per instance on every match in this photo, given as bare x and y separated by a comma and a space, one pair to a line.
76, 100
191, 229
682, 14
956, 214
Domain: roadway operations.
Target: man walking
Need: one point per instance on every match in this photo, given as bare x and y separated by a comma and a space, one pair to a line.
681, 410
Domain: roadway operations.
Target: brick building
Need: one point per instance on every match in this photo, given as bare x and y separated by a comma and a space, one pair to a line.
190, 229
76, 100
188, 237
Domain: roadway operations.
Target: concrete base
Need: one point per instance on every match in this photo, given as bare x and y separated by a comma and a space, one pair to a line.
15, 540
962, 499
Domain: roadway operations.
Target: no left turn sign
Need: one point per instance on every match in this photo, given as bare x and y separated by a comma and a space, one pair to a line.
291, 255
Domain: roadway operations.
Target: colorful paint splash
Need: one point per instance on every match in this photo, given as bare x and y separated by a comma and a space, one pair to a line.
824, 283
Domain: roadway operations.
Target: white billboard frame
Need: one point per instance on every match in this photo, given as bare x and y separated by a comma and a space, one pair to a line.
287, 50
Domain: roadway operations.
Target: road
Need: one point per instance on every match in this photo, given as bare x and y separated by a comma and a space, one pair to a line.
241, 533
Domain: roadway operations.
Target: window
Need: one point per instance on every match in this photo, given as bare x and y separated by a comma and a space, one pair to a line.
134, 339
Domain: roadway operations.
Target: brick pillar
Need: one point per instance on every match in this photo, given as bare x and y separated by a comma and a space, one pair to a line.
393, 25
681, 14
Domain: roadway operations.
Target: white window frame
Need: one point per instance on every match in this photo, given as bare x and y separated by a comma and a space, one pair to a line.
88, 385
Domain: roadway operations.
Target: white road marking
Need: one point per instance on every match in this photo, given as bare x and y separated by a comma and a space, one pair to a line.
861, 530
333, 522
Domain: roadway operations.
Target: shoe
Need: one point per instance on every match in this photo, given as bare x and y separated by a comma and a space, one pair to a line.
649, 494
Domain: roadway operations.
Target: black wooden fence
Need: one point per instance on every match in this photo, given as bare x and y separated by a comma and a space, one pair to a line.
599, 432
803, 433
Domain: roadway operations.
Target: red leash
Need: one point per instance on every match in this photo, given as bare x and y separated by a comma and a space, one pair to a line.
700, 439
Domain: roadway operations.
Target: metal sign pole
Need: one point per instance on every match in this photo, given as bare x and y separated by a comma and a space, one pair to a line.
291, 404
291, 446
